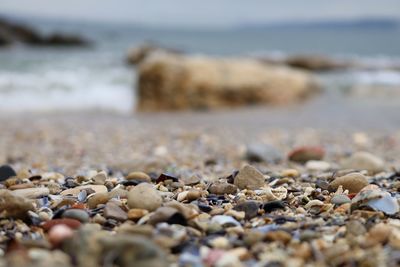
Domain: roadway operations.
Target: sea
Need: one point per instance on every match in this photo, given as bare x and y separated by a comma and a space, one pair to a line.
97, 78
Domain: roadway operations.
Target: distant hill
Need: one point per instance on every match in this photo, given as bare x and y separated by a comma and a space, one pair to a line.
367, 23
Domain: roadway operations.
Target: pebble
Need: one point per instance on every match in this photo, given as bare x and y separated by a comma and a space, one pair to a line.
59, 233
340, 199
221, 188
249, 178
364, 161
12, 206
71, 223
260, 152
6, 172
75, 191
138, 176
96, 199
225, 221
32, 193
317, 165
250, 208
273, 205
304, 154
353, 182
99, 178
144, 196
136, 214
191, 180
113, 211
77, 214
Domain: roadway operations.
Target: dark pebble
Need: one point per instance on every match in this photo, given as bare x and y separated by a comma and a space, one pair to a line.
273, 205
6, 172
165, 176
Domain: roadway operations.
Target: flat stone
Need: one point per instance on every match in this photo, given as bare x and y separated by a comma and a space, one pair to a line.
77, 214
304, 154
12, 206
364, 161
191, 180
144, 196
249, 178
138, 176
113, 211
75, 191
6, 172
353, 182
32, 193
219, 188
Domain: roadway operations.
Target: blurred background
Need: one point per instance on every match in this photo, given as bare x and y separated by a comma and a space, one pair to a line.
76, 56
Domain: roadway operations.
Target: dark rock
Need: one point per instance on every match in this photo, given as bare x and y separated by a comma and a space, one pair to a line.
166, 176
6, 172
250, 209
12, 32
273, 205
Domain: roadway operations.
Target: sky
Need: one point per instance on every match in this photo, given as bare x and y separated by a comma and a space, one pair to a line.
201, 12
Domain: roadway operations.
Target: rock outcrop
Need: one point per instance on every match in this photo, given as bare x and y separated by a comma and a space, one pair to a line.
12, 33
177, 82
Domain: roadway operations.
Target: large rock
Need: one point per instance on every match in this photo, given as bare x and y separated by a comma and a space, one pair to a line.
176, 82
12, 32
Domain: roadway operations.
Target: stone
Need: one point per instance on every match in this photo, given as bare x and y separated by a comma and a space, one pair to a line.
99, 178
211, 83
304, 154
221, 188
250, 208
340, 199
191, 180
77, 214
32, 193
144, 196
162, 214
259, 152
75, 191
6, 172
317, 165
224, 221
59, 233
249, 178
12, 206
138, 176
113, 211
353, 182
136, 214
273, 205
96, 199
71, 223
364, 161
